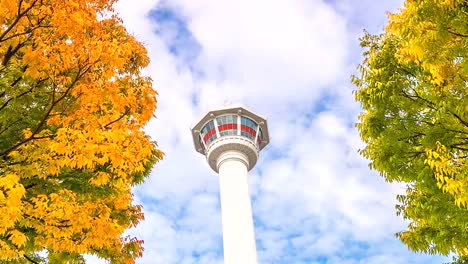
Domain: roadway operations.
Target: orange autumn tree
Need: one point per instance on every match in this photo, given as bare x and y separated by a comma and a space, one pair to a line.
73, 103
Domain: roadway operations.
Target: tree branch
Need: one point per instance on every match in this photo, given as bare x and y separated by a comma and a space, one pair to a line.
30, 259
456, 33
13, 98
455, 147
11, 124
412, 137
417, 96
10, 52
118, 119
18, 18
29, 31
43, 120
54, 225
22, 94
465, 123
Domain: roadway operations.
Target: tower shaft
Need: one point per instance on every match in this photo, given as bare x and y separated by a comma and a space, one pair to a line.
236, 210
231, 138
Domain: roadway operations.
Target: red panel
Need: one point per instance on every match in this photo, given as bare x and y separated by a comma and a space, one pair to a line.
209, 134
248, 130
227, 127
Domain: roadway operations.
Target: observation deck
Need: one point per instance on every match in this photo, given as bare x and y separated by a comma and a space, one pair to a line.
232, 127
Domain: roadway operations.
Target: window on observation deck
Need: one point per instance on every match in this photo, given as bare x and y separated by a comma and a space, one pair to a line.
208, 132
248, 128
260, 136
200, 139
227, 125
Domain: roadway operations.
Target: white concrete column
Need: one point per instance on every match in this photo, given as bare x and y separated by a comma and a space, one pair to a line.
239, 125
215, 123
236, 210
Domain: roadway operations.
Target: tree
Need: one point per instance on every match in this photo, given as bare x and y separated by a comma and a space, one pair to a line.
412, 86
73, 103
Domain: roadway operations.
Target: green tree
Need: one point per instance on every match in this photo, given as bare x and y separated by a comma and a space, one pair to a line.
412, 86
73, 103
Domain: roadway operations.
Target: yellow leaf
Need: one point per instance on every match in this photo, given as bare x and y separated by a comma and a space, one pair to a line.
17, 238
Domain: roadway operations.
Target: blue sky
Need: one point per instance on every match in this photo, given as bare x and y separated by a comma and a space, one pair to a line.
314, 199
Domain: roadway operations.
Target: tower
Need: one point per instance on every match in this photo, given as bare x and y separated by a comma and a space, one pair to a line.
231, 138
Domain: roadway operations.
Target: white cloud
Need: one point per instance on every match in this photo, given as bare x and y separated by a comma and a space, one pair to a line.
314, 199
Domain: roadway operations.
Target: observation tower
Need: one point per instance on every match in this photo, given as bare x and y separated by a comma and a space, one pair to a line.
231, 138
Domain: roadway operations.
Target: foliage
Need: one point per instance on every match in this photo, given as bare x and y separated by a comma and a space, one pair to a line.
459, 260
413, 88
73, 103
